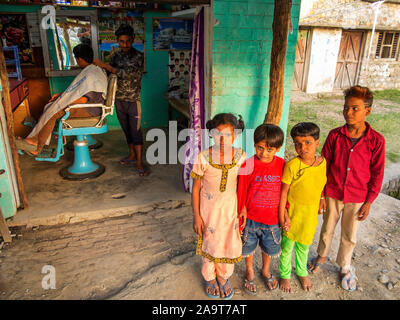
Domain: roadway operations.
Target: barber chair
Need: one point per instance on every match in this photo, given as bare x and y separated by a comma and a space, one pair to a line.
83, 167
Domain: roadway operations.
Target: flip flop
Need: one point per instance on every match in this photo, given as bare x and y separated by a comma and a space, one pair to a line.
270, 280
349, 282
126, 160
25, 146
143, 172
213, 286
315, 264
224, 288
250, 283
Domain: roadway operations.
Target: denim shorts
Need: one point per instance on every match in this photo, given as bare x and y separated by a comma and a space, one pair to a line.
269, 238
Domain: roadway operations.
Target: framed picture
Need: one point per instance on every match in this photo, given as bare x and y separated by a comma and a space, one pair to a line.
172, 34
14, 29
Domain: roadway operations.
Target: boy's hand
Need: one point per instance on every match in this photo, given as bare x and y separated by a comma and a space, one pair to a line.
198, 224
243, 215
322, 205
364, 211
285, 224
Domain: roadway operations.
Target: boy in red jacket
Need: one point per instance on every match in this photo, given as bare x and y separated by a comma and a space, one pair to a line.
259, 190
355, 157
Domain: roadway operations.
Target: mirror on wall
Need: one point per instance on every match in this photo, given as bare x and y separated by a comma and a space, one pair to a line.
71, 28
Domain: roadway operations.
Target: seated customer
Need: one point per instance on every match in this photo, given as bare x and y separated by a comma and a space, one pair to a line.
89, 86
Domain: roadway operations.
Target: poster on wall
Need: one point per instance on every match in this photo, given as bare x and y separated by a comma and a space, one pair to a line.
14, 31
172, 34
179, 73
109, 21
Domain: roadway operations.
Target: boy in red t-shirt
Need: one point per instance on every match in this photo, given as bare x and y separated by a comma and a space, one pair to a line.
259, 191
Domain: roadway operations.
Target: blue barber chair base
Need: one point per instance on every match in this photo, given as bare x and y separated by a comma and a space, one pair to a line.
93, 144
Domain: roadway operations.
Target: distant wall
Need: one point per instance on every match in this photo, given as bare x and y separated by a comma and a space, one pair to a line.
323, 58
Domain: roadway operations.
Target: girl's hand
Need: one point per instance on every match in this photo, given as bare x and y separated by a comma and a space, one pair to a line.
322, 205
198, 224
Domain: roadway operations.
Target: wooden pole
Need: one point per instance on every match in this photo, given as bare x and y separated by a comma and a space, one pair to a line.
4, 232
280, 27
10, 126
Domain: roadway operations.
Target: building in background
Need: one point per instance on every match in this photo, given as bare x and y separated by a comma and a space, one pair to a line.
334, 47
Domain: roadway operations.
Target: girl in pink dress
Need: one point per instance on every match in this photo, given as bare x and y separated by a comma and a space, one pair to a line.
214, 203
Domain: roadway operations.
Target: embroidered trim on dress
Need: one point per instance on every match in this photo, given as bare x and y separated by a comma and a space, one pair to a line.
224, 167
195, 175
211, 258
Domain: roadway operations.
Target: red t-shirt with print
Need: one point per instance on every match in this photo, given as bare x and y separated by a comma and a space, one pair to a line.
259, 188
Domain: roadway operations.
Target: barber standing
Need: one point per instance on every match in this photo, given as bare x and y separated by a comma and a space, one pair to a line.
127, 64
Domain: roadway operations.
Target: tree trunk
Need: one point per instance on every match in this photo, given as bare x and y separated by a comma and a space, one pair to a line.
280, 27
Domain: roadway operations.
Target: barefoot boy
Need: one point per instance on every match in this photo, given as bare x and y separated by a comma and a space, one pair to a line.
355, 156
303, 180
258, 194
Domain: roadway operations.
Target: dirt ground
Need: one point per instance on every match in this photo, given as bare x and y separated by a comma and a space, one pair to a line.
151, 256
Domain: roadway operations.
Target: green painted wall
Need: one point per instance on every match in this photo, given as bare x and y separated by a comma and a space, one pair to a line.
241, 58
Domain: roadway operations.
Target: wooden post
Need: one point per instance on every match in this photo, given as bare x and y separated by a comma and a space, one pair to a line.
280, 27
10, 126
4, 232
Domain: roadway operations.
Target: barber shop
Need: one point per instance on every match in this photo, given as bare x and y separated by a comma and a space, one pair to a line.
88, 88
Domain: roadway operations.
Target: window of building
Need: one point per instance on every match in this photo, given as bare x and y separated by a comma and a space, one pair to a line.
388, 45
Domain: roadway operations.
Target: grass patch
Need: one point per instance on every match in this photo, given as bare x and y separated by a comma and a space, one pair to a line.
327, 114
389, 94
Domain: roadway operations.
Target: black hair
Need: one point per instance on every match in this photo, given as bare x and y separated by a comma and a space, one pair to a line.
360, 92
225, 118
304, 129
271, 134
125, 30
182, 65
176, 59
84, 52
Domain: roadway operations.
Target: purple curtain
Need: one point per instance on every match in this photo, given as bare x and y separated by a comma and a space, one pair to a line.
196, 98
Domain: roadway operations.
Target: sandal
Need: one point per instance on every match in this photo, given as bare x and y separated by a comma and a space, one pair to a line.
349, 282
313, 263
270, 280
250, 283
126, 160
143, 172
224, 288
213, 286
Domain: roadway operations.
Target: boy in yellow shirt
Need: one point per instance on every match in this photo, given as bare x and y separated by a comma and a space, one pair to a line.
303, 180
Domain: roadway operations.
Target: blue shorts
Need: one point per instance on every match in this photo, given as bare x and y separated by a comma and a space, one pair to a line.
269, 238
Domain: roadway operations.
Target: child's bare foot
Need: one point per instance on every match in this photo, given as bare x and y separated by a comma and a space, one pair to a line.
315, 264
306, 283
249, 285
284, 285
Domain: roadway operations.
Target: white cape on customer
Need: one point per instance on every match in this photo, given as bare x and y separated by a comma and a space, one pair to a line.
91, 78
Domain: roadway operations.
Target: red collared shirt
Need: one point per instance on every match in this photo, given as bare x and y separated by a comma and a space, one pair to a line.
355, 173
